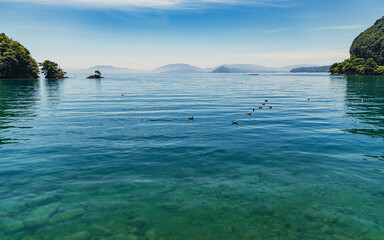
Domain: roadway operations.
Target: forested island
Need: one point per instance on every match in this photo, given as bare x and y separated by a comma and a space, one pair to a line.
97, 75
367, 53
16, 62
321, 69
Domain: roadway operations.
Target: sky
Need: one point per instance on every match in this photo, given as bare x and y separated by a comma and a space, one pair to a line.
145, 34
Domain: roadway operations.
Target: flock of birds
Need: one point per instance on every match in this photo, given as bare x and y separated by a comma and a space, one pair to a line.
253, 109
248, 113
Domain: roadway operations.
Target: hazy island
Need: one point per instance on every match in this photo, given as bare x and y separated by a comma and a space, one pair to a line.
321, 69
367, 53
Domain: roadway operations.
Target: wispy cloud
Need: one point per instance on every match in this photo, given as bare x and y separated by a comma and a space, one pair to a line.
156, 4
346, 27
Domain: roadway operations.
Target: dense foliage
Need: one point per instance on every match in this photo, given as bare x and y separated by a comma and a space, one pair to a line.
358, 66
370, 43
52, 70
15, 60
367, 53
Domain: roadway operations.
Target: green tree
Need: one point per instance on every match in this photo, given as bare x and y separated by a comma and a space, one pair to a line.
369, 67
16, 60
52, 70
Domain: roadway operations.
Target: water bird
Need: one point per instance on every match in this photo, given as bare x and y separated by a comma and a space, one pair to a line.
122, 94
263, 104
190, 118
235, 122
270, 107
249, 113
260, 107
265, 100
309, 99
370, 105
362, 100
253, 109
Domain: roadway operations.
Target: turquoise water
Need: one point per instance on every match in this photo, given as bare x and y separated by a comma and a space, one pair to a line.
80, 161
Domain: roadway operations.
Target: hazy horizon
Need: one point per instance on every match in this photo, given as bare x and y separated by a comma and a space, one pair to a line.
144, 35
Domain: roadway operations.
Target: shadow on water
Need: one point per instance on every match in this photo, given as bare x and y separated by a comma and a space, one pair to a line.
17, 103
365, 104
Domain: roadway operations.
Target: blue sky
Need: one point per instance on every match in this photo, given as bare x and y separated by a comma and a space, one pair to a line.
144, 34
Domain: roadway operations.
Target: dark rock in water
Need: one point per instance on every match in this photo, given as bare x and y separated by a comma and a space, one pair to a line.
95, 76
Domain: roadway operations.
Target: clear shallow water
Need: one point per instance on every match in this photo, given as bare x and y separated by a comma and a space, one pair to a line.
80, 161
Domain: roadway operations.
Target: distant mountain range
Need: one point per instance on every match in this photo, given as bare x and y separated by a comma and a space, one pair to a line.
178, 68
186, 68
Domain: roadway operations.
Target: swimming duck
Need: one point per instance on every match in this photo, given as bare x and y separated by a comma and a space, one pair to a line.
249, 113
260, 107
253, 109
270, 107
263, 104
265, 100
190, 118
235, 122
122, 94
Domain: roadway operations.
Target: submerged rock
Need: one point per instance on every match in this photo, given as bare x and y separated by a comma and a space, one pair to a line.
150, 234
40, 215
11, 225
68, 215
79, 236
100, 231
132, 229
123, 237
140, 221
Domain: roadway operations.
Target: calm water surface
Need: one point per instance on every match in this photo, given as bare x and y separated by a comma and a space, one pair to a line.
80, 161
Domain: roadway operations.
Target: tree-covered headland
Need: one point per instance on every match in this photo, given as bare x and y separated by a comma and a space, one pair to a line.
16, 60
367, 53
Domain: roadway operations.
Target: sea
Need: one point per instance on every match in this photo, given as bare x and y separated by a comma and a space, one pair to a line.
120, 158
